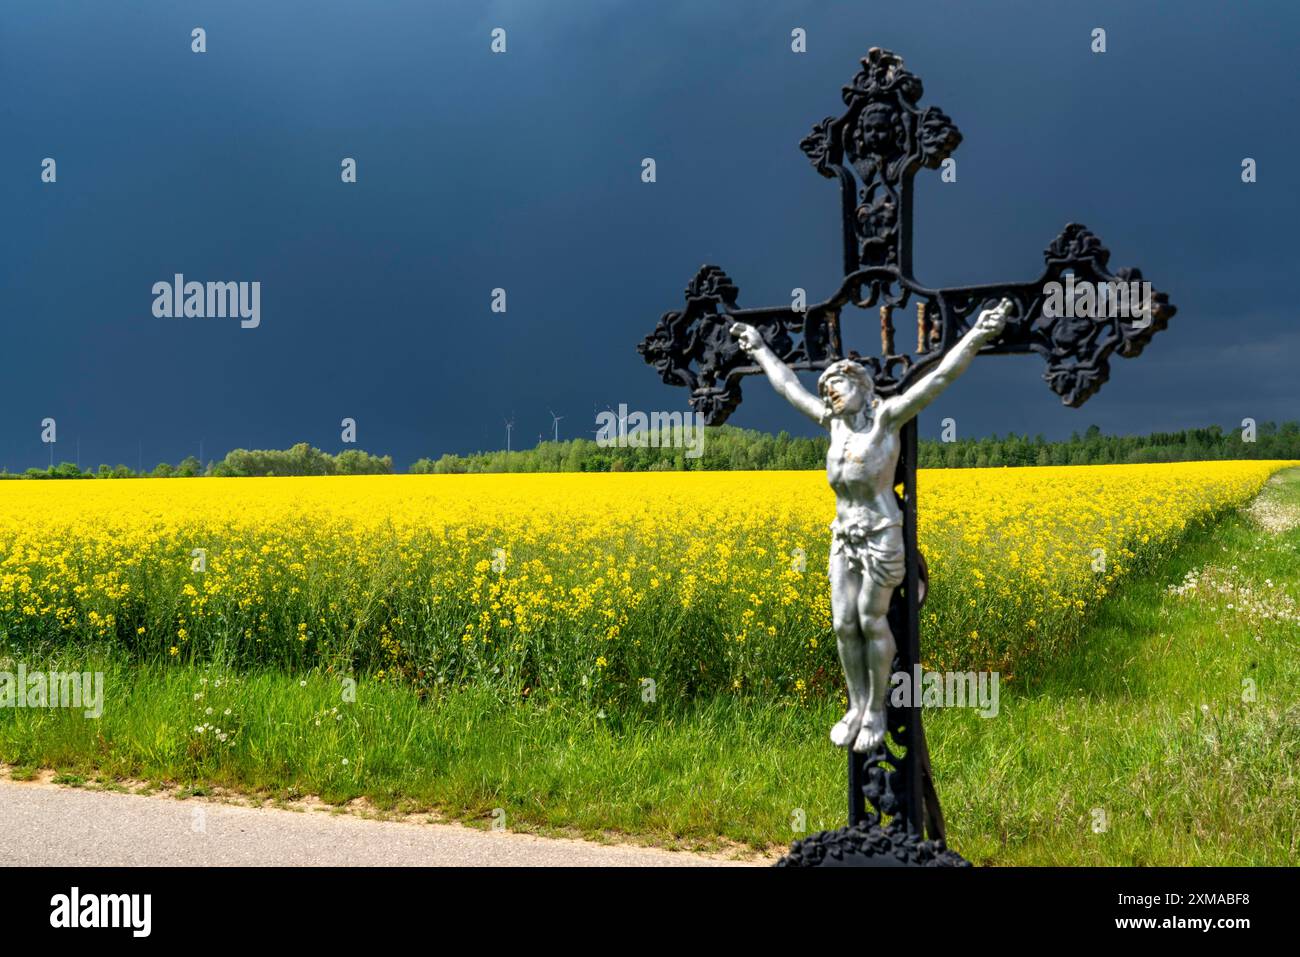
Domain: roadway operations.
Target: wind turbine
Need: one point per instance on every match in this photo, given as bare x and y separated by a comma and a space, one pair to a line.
555, 421
510, 424
621, 417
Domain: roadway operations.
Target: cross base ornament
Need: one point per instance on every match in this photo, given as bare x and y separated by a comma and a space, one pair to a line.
869, 844
1076, 315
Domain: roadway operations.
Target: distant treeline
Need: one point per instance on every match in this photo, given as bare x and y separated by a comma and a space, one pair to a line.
731, 448
302, 459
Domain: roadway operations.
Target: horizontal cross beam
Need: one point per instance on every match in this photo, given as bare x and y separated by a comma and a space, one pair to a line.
693, 347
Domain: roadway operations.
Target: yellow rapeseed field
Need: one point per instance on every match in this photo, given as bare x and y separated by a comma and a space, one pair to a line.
586, 584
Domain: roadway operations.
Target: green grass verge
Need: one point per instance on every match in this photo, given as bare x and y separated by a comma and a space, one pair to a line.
1169, 734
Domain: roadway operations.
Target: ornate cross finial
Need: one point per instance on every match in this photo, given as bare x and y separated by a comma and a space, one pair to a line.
884, 137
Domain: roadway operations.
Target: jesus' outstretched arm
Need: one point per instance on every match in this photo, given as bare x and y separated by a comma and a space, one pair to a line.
782, 377
900, 409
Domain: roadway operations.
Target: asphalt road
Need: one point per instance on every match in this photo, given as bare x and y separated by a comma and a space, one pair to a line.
49, 825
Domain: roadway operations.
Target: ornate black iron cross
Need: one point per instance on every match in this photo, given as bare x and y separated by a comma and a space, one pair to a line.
874, 149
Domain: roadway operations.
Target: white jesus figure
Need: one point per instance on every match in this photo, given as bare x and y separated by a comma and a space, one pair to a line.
867, 560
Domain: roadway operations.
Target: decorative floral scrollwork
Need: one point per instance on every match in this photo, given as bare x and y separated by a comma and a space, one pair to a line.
817, 146
1078, 344
694, 346
1075, 243
938, 137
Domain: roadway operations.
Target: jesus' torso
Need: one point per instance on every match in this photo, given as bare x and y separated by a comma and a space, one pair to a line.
860, 467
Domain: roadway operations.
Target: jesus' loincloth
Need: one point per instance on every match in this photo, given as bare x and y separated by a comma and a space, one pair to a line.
874, 549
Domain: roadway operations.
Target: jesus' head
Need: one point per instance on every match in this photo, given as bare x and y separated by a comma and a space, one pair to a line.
847, 387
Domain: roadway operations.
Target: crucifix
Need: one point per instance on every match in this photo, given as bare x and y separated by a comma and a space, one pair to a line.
1075, 315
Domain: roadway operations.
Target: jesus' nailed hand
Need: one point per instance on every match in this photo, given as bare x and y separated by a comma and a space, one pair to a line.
867, 554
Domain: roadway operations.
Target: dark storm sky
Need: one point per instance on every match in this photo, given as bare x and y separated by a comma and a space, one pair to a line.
522, 171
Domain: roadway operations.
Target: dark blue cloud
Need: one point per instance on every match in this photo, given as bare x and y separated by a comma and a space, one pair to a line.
522, 171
